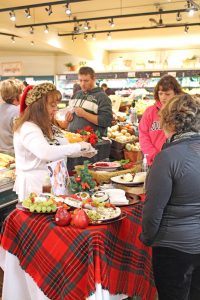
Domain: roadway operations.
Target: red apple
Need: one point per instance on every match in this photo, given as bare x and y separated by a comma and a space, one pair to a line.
62, 217
80, 219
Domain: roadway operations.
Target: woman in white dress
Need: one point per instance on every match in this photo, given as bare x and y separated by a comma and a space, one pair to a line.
37, 141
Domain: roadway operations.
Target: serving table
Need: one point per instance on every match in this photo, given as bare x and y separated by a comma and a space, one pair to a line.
100, 262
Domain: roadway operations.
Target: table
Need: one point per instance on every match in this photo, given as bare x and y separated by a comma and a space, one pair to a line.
72, 264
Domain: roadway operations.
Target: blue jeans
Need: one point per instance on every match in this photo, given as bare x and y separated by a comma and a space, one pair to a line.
176, 274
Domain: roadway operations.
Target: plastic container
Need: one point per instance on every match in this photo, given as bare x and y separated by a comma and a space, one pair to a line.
144, 163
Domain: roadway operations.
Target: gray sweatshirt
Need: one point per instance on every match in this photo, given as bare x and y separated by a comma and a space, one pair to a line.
8, 113
96, 102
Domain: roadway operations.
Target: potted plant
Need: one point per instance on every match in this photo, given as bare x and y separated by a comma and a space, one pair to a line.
70, 66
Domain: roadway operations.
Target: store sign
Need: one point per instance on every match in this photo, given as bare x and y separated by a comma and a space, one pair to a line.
11, 69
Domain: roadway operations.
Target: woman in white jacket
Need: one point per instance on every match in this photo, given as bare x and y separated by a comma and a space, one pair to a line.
37, 141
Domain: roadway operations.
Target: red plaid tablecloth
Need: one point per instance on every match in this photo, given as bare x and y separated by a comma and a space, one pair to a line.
66, 262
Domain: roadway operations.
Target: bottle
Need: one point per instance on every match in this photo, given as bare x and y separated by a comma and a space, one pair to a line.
133, 115
46, 188
144, 163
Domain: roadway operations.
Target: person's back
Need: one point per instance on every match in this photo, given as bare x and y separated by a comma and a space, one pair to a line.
11, 90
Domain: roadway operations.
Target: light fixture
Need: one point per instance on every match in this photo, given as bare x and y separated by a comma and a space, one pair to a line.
13, 39
111, 22
73, 38
86, 25
31, 31
178, 17
109, 37
46, 30
186, 29
49, 10
93, 36
68, 10
27, 13
85, 37
32, 43
12, 15
190, 8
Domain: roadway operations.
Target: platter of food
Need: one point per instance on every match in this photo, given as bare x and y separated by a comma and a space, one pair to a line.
43, 203
102, 213
104, 222
129, 179
106, 166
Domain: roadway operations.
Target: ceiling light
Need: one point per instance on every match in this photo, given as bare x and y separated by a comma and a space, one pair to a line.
186, 29
49, 10
111, 22
73, 38
27, 13
190, 8
85, 37
68, 10
178, 16
32, 43
31, 31
12, 15
46, 30
94, 36
86, 25
13, 39
109, 37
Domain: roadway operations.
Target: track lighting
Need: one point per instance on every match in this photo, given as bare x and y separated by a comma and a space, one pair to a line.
12, 15
31, 31
178, 17
109, 37
46, 30
85, 37
93, 36
27, 13
13, 39
49, 10
186, 29
68, 10
111, 22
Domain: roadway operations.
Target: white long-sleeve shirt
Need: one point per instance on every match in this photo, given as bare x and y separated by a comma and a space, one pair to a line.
32, 152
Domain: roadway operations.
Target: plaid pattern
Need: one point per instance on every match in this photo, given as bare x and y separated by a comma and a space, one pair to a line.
66, 262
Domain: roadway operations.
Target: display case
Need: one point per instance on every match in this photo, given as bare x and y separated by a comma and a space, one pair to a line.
138, 85
32, 80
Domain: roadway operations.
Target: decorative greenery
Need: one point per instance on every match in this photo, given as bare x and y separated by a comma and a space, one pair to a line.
82, 182
69, 65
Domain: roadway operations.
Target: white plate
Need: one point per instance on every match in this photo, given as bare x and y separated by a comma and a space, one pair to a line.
106, 213
119, 180
72, 202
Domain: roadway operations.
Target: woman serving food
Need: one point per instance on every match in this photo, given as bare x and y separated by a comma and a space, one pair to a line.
37, 141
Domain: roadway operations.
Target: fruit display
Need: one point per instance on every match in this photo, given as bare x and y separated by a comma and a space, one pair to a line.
120, 135
40, 204
141, 105
133, 147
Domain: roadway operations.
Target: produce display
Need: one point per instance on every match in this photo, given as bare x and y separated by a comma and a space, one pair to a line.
121, 135
44, 203
141, 105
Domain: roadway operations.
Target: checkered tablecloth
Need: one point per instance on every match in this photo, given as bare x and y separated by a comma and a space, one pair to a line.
66, 262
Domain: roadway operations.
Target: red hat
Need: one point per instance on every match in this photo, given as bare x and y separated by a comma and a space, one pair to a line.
23, 98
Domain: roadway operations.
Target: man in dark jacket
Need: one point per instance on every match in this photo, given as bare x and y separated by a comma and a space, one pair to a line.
91, 106
107, 90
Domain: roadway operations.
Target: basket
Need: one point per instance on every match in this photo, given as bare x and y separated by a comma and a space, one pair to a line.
104, 177
133, 156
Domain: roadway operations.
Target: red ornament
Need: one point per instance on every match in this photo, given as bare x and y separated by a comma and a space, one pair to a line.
62, 217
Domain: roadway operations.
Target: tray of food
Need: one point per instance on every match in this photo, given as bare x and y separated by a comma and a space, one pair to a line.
129, 179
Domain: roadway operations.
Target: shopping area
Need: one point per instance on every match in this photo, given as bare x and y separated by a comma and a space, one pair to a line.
130, 45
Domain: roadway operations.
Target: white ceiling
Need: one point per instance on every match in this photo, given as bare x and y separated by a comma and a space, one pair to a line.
168, 38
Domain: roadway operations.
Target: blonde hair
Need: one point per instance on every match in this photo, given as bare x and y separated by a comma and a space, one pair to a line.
37, 112
11, 89
181, 114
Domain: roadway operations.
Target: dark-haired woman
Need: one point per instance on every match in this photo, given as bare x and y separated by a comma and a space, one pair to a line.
151, 136
171, 215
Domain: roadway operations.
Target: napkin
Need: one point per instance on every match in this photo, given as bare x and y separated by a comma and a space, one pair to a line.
117, 196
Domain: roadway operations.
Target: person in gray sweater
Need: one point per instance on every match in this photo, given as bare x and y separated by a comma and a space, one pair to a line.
11, 90
90, 106
171, 214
